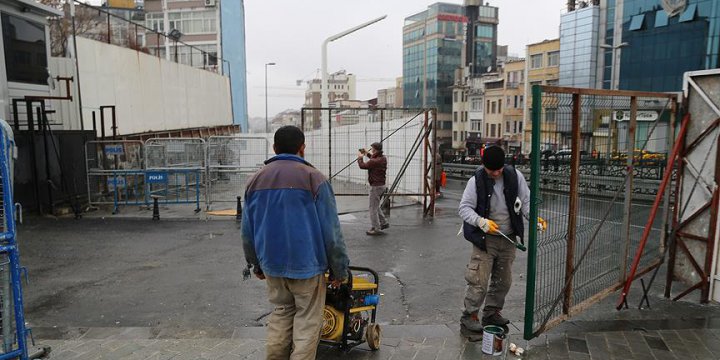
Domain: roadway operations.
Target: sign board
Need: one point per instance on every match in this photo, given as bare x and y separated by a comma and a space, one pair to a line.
156, 177
121, 4
642, 115
113, 181
114, 149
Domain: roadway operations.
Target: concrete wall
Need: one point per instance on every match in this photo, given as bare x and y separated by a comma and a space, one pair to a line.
150, 94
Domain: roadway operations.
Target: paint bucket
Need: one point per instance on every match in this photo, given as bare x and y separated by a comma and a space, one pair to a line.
493, 338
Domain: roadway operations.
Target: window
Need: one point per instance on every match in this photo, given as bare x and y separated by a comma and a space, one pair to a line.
553, 82
494, 107
500, 106
522, 101
661, 18
487, 107
462, 96
454, 135
507, 126
455, 96
636, 23
454, 116
187, 22
484, 31
536, 61
462, 136
25, 50
515, 103
554, 58
487, 128
688, 14
492, 130
466, 116
515, 126
520, 126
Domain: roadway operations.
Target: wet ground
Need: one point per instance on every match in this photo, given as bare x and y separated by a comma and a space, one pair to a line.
113, 287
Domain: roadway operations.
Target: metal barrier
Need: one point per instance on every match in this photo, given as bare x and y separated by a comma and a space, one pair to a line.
231, 160
334, 135
175, 169
592, 152
115, 172
14, 335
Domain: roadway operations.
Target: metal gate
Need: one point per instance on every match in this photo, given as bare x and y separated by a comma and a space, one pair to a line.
334, 135
596, 163
231, 160
175, 170
115, 172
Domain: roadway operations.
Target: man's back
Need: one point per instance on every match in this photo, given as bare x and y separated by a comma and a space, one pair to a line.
291, 219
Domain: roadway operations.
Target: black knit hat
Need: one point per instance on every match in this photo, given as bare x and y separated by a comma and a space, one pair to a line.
494, 158
377, 146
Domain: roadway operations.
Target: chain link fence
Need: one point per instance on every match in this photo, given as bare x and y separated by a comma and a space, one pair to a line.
597, 161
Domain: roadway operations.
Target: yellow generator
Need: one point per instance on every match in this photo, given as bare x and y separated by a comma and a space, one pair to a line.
349, 313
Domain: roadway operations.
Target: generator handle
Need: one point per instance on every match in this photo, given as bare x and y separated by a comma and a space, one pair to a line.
366, 270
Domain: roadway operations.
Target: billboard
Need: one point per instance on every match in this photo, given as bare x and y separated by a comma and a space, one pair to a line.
121, 4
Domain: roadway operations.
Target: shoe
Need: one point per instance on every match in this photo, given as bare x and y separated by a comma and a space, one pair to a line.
495, 319
471, 322
374, 232
384, 226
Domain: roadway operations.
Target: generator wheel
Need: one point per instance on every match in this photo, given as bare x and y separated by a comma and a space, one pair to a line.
372, 335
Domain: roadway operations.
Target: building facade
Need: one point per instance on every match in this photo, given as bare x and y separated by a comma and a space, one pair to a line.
341, 86
579, 47
436, 43
542, 68
513, 113
665, 39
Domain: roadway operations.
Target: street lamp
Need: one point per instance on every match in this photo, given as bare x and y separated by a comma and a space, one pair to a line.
613, 63
267, 124
323, 84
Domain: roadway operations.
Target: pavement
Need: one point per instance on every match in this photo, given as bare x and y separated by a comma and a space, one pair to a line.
114, 287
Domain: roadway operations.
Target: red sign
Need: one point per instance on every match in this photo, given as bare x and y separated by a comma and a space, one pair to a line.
455, 18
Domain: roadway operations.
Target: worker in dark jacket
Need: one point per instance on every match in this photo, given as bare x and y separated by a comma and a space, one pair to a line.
377, 168
291, 235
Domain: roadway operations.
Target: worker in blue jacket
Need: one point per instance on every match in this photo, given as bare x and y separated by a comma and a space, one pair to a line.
291, 236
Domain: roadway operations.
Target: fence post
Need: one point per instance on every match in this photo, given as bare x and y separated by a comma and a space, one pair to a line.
156, 208
573, 205
532, 230
630, 147
238, 212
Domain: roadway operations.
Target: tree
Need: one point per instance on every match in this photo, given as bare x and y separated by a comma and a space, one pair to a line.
88, 23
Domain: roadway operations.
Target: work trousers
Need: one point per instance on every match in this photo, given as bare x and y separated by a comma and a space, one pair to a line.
294, 327
377, 217
492, 267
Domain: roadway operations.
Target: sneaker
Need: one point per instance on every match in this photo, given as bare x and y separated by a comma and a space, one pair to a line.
495, 319
471, 322
374, 232
384, 226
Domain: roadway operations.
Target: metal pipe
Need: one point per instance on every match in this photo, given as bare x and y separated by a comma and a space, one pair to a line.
6, 296
42, 124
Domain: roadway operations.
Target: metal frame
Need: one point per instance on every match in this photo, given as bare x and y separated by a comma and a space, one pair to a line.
706, 266
9, 246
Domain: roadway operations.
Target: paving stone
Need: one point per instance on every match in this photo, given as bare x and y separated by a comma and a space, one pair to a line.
578, 345
656, 343
615, 337
618, 351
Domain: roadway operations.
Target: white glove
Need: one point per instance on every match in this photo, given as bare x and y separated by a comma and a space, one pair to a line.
487, 225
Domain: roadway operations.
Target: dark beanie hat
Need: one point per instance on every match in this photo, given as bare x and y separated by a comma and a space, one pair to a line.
494, 158
377, 146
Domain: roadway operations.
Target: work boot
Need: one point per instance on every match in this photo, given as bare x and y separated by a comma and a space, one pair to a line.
384, 226
495, 319
374, 232
471, 322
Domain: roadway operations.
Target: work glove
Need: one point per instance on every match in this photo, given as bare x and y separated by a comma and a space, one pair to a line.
487, 225
541, 224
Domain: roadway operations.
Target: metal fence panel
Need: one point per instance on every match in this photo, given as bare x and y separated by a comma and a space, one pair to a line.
115, 172
333, 137
231, 161
584, 143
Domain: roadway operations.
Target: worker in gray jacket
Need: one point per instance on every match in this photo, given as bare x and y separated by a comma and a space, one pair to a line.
496, 199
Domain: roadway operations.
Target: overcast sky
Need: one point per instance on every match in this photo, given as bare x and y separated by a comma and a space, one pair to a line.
290, 33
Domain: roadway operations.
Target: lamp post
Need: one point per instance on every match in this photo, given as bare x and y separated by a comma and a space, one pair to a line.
613, 86
323, 84
267, 124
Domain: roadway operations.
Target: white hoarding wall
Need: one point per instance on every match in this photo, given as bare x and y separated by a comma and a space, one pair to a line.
150, 94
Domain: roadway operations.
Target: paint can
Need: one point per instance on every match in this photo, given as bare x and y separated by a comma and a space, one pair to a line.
493, 339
